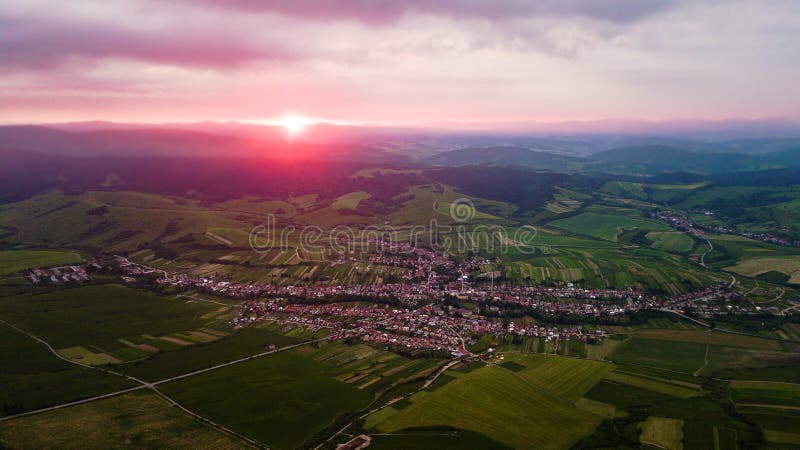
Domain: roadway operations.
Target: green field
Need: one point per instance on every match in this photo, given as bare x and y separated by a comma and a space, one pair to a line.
671, 241
788, 374
510, 407
663, 433
779, 425
12, 261
134, 420
655, 385
604, 266
33, 378
752, 267
766, 392
285, 399
245, 342
606, 226
99, 317
623, 396
685, 357
706, 423
568, 378
710, 337
435, 439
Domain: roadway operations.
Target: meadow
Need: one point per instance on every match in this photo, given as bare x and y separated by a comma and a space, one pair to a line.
12, 261
671, 241
663, 433
519, 409
285, 399
245, 342
683, 390
110, 320
435, 439
33, 378
766, 393
685, 357
281, 400
754, 266
709, 337
135, 420
779, 425
607, 226
568, 378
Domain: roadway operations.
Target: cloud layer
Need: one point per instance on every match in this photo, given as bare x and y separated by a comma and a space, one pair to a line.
397, 62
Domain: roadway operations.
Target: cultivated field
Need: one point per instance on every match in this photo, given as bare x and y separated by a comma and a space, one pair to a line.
671, 241
515, 408
16, 260
752, 267
683, 390
662, 433
287, 398
710, 337
766, 393
33, 378
96, 323
677, 356
568, 378
134, 420
606, 226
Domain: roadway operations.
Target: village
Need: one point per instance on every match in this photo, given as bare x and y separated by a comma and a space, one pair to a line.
683, 223
430, 327
426, 311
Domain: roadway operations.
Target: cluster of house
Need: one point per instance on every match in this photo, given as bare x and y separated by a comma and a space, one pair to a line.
682, 222
709, 302
567, 300
431, 327
62, 274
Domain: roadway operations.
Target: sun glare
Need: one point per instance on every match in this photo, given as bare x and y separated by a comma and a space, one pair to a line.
294, 124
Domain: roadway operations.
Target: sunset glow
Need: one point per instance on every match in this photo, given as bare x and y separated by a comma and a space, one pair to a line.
421, 62
294, 124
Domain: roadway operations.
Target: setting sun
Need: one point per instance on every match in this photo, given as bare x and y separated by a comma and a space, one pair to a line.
294, 124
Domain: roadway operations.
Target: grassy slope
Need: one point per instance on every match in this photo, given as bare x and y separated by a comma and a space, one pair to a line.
673, 241
606, 226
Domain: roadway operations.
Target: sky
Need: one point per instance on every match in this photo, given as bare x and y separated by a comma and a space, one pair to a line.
398, 63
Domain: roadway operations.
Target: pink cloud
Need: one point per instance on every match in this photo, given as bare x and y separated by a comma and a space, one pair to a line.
383, 12
44, 44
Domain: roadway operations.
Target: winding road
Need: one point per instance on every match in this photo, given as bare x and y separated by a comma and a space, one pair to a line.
703, 256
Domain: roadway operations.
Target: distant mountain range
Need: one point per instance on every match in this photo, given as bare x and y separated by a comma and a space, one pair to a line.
638, 160
636, 155
233, 141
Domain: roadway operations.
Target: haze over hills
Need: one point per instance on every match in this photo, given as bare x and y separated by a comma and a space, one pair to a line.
622, 154
414, 142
